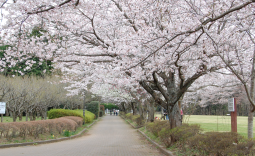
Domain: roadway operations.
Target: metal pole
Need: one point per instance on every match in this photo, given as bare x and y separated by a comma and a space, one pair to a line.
2, 117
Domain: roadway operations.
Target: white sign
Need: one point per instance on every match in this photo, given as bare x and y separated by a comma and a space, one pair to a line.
231, 105
2, 107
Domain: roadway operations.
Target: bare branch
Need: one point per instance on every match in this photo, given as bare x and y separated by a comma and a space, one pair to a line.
126, 16
160, 88
3, 3
50, 8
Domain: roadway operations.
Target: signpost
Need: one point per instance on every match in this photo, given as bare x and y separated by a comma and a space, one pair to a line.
233, 112
2, 109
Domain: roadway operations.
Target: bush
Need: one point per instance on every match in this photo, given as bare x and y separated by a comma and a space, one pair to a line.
221, 144
110, 106
89, 117
182, 133
140, 121
156, 126
128, 116
165, 137
93, 107
57, 113
102, 111
35, 128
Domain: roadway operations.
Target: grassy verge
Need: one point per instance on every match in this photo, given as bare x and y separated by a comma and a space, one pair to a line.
211, 123
9, 119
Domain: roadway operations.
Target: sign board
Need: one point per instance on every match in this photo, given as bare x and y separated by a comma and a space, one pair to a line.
231, 105
2, 107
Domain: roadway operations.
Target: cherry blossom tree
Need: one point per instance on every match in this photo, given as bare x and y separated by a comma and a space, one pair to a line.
165, 46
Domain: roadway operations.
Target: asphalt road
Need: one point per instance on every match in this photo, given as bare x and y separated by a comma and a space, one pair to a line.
111, 136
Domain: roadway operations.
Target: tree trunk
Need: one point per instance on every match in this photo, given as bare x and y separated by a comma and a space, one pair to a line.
45, 115
30, 116
151, 111
250, 123
34, 116
174, 116
252, 89
133, 107
20, 117
141, 110
14, 116
7, 113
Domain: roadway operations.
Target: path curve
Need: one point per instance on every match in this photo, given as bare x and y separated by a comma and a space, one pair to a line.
110, 136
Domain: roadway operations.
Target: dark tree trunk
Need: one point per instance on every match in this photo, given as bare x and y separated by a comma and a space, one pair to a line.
14, 116
20, 117
151, 111
133, 107
34, 116
164, 85
174, 116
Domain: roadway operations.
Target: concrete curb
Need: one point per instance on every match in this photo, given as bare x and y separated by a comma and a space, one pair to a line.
161, 148
49, 141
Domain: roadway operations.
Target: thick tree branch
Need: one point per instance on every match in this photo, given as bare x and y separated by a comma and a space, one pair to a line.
96, 55
52, 7
153, 94
160, 88
126, 16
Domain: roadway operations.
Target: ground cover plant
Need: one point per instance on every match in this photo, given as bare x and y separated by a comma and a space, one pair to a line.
211, 123
192, 139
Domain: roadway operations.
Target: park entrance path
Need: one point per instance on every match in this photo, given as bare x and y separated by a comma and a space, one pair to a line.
111, 136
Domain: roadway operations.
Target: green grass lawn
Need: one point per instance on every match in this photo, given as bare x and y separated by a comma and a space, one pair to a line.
218, 123
9, 119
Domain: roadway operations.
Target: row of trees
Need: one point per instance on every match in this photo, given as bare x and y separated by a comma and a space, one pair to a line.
149, 51
33, 97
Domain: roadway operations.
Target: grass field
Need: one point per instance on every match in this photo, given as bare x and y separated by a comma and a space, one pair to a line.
218, 123
9, 119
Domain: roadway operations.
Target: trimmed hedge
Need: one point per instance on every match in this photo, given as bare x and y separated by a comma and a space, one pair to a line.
93, 107
13, 130
110, 106
57, 113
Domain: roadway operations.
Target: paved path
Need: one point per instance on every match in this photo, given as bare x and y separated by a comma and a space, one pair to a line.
110, 136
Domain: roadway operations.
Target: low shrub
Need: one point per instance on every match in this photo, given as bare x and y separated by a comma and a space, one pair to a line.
128, 116
182, 133
221, 144
78, 120
89, 116
140, 121
35, 128
134, 117
156, 126
188, 138
165, 136
93, 107
57, 113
